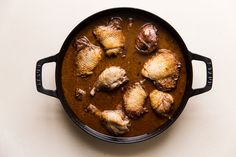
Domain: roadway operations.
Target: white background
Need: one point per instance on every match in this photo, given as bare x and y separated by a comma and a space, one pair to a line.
35, 125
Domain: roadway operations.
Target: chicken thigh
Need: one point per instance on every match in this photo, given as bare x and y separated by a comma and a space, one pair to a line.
147, 39
161, 102
134, 99
88, 56
115, 120
109, 79
163, 69
111, 36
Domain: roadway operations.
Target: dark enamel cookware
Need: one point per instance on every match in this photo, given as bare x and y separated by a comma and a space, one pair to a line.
188, 56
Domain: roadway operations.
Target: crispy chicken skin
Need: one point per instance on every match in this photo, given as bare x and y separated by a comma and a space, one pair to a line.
163, 69
114, 120
109, 79
161, 102
147, 39
88, 56
111, 36
134, 99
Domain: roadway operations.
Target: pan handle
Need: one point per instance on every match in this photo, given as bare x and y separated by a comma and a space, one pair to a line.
39, 83
209, 70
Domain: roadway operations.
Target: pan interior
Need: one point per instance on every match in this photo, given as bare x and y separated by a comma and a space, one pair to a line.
132, 63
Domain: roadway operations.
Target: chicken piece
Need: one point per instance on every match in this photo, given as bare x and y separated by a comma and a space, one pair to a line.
88, 56
134, 99
161, 102
163, 69
109, 79
147, 39
114, 120
79, 94
111, 36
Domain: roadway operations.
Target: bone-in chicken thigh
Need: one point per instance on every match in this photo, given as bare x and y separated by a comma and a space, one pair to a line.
111, 36
110, 79
134, 99
88, 56
114, 120
161, 102
163, 69
147, 39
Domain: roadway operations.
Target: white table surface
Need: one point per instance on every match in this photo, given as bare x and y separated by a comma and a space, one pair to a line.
32, 124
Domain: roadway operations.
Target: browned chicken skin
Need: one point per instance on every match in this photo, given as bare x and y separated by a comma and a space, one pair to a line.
115, 120
161, 102
111, 36
147, 39
163, 69
88, 56
134, 99
110, 79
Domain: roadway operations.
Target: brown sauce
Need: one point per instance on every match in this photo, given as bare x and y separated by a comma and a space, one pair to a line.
132, 63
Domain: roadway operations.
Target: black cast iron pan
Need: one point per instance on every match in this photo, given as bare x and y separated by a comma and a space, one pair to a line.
188, 56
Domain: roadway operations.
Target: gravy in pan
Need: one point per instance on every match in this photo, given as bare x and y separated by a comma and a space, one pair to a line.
132, 63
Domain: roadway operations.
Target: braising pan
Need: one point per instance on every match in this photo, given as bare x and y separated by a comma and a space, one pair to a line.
187, 55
